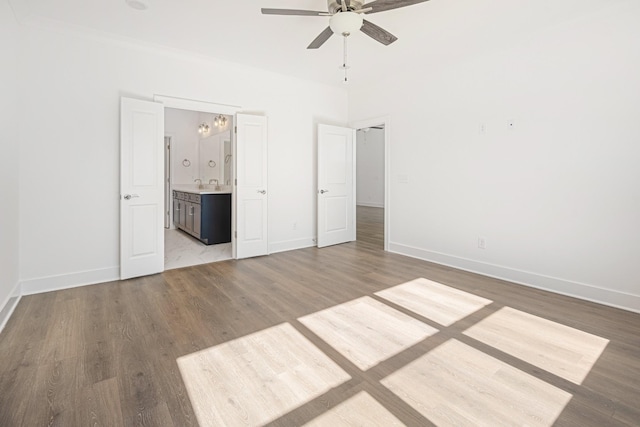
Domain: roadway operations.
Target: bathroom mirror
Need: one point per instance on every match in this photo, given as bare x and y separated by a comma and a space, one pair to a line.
214, 150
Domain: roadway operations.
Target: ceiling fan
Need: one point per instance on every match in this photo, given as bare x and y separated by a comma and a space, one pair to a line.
346, 18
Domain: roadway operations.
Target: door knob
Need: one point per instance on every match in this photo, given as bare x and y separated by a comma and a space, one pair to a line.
130, 196
324, 191
262, 191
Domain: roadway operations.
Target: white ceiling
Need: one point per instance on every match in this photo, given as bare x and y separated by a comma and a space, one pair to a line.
429, 34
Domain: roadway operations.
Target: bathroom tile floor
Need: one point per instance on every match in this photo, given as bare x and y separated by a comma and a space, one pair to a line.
182, 250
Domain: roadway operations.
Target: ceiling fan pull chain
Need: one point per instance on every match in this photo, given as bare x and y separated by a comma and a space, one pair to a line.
344, 61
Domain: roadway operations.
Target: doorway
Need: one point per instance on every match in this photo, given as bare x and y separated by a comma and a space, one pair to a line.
370, 186
198, 173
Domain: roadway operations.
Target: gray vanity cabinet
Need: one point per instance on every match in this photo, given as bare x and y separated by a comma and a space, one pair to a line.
194, 218
206, 217
177, 208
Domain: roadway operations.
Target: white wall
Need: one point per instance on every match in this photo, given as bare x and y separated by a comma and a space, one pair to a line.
370, 167
557, 197
182, 126
70, 163
9, 161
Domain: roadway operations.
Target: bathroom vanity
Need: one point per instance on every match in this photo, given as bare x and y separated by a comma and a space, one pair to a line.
204, 214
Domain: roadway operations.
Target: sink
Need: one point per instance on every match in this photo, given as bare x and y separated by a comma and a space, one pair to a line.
213, 187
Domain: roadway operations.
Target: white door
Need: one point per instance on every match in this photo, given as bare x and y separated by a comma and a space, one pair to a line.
141, 188
336, 185
251, 191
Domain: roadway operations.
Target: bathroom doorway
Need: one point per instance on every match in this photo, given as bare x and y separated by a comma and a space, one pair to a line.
370, 186
198, 171
373, 203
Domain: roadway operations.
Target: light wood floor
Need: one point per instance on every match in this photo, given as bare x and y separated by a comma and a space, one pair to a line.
140, 352
370, 226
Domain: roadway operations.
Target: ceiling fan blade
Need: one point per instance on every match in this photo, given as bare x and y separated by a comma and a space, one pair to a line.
382, 5
294, 12
377, 33
323, 37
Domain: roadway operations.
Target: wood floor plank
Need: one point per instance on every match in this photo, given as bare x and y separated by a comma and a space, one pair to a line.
63, 336
138, 387
169, 380
53, 401
370, 226
157, 416
14, 397
99, 405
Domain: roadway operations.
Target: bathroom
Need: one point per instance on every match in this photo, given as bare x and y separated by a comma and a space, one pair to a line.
199, 176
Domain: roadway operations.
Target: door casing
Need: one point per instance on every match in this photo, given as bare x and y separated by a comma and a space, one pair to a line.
213, 108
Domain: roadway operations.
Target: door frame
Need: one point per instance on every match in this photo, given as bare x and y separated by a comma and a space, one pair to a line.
213, 108
167, 181
386, 121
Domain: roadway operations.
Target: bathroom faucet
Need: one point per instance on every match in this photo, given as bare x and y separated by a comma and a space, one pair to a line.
217, 187
199, 181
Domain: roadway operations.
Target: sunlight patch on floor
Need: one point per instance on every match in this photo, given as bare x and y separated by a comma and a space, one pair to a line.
366, 331
435, 301
257, 378
263, 376
556, 348
360, 410
455, 385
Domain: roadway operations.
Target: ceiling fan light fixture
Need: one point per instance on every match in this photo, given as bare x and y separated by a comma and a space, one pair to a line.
346, 23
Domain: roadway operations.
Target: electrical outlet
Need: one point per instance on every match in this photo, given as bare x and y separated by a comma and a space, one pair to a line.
481, 243
482, 128
295, 225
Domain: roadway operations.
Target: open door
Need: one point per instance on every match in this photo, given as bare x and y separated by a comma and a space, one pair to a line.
336, 185
251, 188
141, 188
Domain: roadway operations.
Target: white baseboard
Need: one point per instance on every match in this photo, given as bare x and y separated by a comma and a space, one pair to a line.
290, 245
9, 304
583, 291
71, 280
370, 205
